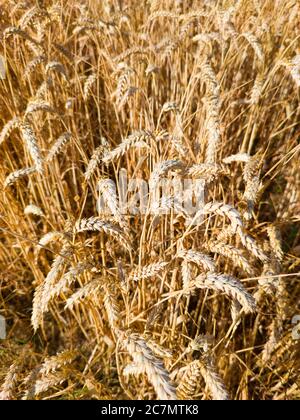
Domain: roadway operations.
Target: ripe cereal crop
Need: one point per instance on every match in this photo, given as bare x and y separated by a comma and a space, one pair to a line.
149, 199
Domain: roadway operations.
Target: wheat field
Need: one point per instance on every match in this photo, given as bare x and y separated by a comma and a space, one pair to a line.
101, 301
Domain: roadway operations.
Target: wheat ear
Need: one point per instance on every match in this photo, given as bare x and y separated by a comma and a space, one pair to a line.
43, 291
208, 171
38, 105
189, 381
107, 189
96, 158
32, 209
9, 384
92, 78
198, 258
256, 45
275, 242
147, 362
44, 384
8, 128
13, 177
239, 157
160, 169
45, 240
112, 306
30, 140
98, 225
213, 380
147, 271
229, 251
53, 363
90, 289
230, 286
224, 210
69, 278
58, 145
127, 144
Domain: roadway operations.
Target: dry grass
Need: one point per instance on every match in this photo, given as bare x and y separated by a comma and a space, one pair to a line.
147, 306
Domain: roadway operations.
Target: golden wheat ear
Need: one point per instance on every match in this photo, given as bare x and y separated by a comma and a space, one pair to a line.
146, 362
31, 143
